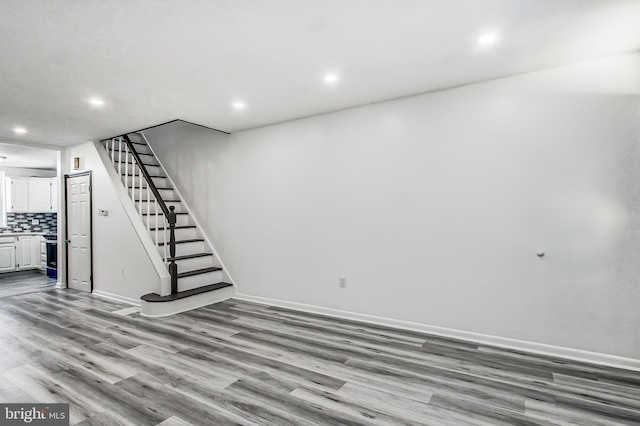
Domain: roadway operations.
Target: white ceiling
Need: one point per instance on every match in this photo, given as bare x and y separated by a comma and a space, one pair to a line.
154, 61
25, 156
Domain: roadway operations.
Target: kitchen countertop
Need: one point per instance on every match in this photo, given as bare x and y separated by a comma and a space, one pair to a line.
18, 234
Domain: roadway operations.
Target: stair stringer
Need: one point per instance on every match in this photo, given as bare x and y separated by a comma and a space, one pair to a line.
136, 221
225, 272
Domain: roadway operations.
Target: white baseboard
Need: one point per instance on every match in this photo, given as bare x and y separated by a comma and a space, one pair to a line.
117, 298
483, 339
59, 284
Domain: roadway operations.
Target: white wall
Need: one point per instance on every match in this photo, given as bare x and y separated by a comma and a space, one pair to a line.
193, 157
434, 206
116, 246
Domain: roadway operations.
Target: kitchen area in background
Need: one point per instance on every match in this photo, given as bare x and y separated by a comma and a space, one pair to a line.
28, 215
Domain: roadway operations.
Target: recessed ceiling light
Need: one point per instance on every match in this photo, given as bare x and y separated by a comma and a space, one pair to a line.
97, 102
239, 105
330, 78
487, 38
19, 130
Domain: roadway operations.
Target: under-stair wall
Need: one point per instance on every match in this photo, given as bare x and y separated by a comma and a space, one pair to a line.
122, 269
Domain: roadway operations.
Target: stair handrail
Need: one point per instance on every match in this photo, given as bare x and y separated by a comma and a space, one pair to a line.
169, 213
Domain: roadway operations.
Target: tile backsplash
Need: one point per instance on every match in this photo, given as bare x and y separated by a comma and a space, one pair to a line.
22, 222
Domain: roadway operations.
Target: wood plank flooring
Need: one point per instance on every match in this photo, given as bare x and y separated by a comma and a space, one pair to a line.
248, 364
24, 282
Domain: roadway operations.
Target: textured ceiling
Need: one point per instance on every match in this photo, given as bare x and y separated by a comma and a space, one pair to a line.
153, 61
25, 156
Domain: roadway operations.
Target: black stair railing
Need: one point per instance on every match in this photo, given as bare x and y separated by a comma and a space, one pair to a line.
169, 213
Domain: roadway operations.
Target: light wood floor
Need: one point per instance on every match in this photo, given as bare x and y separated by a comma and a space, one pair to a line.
242, 363
16, 283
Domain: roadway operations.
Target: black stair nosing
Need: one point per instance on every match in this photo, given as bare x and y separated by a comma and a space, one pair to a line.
144, 187
189, 256
156, 298
190, 240
199, 271
153, 214
177, 227
133, 162
153, 176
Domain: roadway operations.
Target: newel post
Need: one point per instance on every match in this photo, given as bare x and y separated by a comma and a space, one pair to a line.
173, 268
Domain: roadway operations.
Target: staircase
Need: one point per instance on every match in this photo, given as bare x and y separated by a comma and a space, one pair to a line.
196, 274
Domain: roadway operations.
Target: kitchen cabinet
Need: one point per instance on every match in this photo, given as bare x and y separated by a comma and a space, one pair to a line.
28, 252
43, 256
39, 195
19, 190
7, 254
32, 194
54, 194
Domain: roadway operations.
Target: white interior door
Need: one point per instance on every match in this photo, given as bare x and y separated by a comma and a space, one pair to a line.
79, 232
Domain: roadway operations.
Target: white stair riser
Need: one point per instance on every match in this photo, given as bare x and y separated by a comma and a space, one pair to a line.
129, 170
181, 234
186, 304
161, 182
144, 149
194, 281
185, 248
154, 206
166, 194
147, 160
124, 156
150, 221
140, 149
195, 263
158, 182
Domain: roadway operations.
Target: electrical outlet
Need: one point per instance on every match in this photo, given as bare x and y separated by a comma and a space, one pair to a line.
343, 282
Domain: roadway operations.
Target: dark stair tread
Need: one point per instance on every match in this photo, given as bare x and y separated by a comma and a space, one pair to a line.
153, 214
144, 187
198, 271
132, 161
189, 256
155, 297
191, 240
149, 175
177, 227
153, 176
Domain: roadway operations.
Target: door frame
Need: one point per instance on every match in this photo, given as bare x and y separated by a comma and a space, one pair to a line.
66, 223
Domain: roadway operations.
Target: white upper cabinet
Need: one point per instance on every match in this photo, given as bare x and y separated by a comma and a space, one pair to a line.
54, 194
32, 194
40, 195
19, 190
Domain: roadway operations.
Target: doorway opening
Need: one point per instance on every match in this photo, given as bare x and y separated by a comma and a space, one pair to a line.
29, 218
